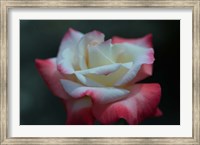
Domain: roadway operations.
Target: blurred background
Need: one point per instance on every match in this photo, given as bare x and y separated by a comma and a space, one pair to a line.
41, 39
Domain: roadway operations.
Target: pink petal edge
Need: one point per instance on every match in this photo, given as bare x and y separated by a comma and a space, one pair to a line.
145, 71
141, 103
68, 34
48, 71
145, 41
99, 95
79, 114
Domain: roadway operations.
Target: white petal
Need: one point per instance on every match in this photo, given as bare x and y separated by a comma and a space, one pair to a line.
110, 79
86, 81
129, 75
140, 55
127, 65
66, 53
98, 95
100, 55
89, 39
106, 49
70, 39
64, 61
106, 69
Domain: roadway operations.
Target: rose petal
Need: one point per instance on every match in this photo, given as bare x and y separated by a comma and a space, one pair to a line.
144, 72
126, 52
97, 78
141, 103
110, 79
100, 55
106, 48
89, 39
87, 81
140, 56
158, 113
98, 95
48, 71
145, 41
66, 62
79, 111
106, 69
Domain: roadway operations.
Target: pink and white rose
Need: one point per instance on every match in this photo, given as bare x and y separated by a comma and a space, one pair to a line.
97, 79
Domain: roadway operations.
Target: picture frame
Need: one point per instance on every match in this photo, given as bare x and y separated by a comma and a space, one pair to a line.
4, 57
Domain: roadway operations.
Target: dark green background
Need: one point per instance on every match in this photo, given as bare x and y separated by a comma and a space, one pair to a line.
41, 39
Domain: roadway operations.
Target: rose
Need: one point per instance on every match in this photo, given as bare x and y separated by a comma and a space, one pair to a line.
97, 79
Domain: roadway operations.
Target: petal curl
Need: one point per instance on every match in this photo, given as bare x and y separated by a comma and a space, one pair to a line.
141, 103
79, 111
145, 41
87, 81
99, 95
103, 76
140, 55
102, 70
48, 71
110, 79
66, 62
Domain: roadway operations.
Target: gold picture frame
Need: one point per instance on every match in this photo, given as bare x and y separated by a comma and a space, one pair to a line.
8, 4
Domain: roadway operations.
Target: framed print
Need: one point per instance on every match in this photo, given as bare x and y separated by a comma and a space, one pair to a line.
100, 72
